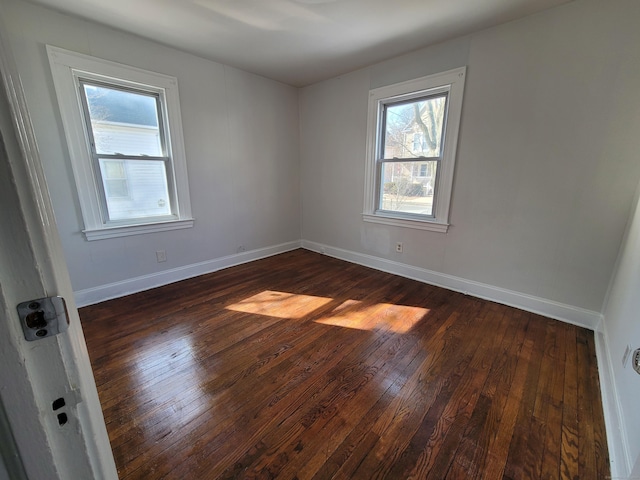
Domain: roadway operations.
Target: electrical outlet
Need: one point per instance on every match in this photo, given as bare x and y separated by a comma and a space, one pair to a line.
399, 247
625, 356
161, 256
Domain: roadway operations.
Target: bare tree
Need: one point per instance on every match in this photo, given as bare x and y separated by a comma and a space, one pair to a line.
413, 131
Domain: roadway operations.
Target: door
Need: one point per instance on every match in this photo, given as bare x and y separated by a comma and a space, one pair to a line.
54, 427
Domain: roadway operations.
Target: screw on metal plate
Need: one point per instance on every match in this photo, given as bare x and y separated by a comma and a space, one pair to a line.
43, 317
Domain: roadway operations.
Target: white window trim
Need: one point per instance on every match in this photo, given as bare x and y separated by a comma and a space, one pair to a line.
451, 81
65, 66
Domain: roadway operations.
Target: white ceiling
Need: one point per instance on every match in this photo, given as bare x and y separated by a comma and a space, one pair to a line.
300, 42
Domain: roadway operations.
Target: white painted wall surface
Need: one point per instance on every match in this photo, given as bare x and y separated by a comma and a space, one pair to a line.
547, 160
622, 328
241, 136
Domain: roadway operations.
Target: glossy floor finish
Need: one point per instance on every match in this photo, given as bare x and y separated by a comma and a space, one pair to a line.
303, 366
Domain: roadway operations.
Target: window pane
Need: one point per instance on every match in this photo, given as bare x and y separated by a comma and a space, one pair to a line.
123, 122
404, 188
414, 129
116, 188
141, 190
114, 169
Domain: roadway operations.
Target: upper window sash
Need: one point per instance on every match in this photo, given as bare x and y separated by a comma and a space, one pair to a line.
423, 96
83, 80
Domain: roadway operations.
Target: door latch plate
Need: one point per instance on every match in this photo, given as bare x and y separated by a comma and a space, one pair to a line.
635, 361
43, 317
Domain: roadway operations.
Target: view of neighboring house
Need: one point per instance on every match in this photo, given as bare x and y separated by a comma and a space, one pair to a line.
126, 131
413, 139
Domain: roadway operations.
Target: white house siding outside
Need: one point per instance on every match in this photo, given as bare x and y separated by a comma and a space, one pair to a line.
132, 187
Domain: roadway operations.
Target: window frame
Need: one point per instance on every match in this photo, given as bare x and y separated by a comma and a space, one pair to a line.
451, 82
69, 70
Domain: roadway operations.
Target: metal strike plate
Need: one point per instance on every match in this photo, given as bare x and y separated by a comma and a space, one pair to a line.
43, 317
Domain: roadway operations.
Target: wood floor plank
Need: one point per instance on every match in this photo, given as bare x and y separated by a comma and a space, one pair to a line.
340, 461
569, 461
302, 366
600, 438
553, 408
429, 456
395, 430
586, 435
527, 446
497, 452
485, 422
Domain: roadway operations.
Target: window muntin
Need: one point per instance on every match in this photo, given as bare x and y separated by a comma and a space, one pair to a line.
412, 133
124, 133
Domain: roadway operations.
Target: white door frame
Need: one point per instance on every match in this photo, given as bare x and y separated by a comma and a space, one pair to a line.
635, 472
33, 374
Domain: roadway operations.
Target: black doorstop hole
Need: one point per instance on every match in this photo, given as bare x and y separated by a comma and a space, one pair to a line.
58, 403
62, 418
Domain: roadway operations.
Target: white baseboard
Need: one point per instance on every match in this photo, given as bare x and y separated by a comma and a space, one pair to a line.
548, 308
621, 463
567, 313
89, 296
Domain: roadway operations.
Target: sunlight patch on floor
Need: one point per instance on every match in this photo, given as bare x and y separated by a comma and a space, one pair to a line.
280, 304
349, 314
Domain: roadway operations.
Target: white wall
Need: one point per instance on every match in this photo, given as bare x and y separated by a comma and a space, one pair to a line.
241, 143
547, 159
622, 328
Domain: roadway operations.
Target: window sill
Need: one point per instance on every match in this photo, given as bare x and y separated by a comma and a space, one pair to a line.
124, 231
406, 223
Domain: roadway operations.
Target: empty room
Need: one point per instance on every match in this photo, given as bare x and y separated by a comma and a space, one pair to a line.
319, 239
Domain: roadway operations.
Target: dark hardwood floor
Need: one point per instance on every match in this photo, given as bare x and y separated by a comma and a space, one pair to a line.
303, 366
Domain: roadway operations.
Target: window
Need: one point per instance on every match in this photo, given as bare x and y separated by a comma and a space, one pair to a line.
124, 133
411, 143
